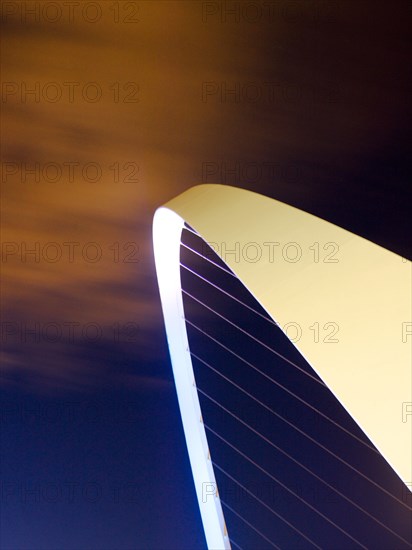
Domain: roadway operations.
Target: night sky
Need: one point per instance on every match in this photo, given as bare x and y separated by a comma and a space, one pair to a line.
109, 109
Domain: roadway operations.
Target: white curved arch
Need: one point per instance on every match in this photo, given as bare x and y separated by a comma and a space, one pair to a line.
366, 293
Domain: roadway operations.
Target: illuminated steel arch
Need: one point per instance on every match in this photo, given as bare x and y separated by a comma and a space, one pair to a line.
367, 291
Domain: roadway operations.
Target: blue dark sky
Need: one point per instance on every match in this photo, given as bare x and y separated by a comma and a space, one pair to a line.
102, 470
306, 102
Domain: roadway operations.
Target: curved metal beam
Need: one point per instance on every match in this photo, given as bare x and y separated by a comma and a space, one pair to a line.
347, 300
